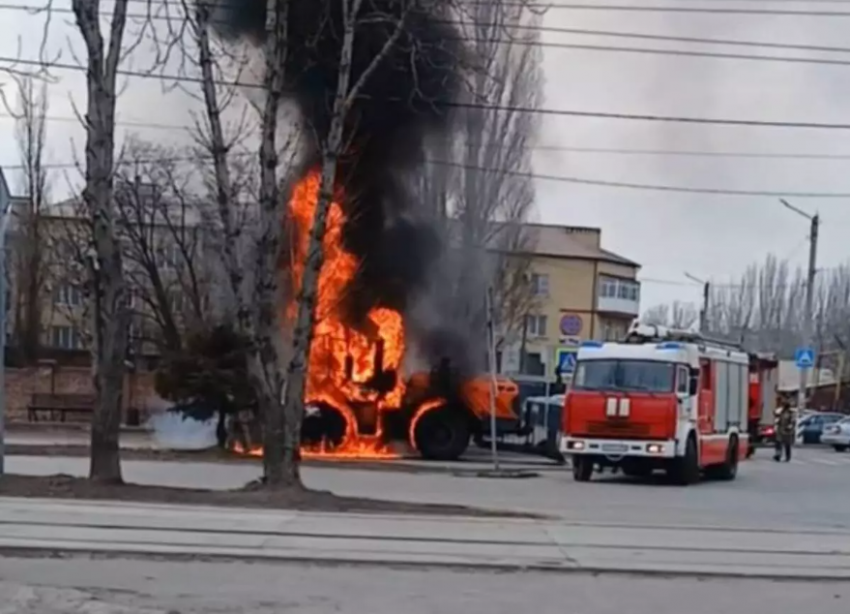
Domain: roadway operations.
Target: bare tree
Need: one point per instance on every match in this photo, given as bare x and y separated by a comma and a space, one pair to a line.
105, 266
332, 146
29, 266
264, 366
160, 223
679, 315
657, 315
763, 308
248, 236
495, 197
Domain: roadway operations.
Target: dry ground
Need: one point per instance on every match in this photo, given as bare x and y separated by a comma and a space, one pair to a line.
252, 495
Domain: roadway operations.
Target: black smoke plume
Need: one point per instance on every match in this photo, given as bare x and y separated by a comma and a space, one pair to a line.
402, 102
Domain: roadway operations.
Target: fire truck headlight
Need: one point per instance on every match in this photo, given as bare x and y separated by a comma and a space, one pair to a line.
576, 446
654, 448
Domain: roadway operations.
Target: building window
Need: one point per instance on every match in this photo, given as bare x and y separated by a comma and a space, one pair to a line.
535, 326
540, 284
68, 294
619, 288
65, 337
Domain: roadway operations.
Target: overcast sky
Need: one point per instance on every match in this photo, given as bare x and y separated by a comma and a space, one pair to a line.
712, 237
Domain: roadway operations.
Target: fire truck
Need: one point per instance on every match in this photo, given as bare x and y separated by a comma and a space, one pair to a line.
764, 381
660, 399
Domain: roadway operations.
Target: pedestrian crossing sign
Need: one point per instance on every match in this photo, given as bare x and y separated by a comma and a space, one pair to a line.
804, 358
566, 361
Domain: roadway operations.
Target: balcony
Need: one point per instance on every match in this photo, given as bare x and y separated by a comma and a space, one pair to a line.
618, 296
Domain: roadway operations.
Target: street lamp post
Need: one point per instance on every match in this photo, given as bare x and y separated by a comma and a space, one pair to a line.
808, 332
706, 291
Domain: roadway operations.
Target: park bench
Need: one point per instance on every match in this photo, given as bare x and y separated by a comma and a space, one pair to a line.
59, 405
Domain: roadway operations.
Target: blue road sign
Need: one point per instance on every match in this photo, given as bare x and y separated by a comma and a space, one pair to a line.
566, 361
804, 358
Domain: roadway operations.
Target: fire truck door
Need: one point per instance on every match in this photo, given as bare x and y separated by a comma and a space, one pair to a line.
706, 398
685, 398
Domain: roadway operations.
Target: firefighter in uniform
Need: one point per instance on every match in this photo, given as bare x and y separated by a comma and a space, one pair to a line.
785, 425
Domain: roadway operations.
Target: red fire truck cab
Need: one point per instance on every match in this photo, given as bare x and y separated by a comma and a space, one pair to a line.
660, 399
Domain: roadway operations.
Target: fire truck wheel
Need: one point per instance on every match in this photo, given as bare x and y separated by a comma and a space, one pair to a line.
685, 470
729, 469
582, 468
442, 434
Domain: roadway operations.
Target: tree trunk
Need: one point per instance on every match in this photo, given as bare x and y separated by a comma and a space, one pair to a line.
110, 317
264, 362
110, 347
296, 373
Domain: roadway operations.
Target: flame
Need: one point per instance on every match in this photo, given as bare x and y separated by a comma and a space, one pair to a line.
342, 359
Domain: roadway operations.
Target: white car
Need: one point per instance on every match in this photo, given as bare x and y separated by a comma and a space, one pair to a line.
837, 435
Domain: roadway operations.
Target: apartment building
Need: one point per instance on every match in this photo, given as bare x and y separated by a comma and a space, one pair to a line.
582, 292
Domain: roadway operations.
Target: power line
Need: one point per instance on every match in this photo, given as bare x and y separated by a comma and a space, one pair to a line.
551, 5
561, 6
530, 175
612, 49
554, 148
126, 123
688, 39
688, 53
648, 187
504, 108
579, 31
691, 153
543, 6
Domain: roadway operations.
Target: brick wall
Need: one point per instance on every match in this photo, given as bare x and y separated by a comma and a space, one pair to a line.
21, 384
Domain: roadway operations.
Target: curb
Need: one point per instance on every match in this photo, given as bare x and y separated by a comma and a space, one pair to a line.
565, 567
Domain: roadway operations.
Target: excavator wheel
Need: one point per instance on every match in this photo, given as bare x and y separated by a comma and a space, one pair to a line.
442, 434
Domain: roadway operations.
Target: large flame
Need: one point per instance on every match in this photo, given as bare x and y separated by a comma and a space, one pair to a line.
342, 359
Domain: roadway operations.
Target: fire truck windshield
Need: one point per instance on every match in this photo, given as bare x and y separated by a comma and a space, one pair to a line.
621, 375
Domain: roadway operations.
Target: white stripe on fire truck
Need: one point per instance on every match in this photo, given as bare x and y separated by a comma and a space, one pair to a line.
611, 407
625, 407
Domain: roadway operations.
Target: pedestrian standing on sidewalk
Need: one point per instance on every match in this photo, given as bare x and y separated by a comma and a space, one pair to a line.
785, 427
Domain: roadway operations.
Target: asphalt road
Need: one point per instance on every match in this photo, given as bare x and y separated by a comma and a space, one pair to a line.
84, 586
810, 492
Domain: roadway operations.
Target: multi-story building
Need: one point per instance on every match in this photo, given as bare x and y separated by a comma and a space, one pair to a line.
165, 269
582, 291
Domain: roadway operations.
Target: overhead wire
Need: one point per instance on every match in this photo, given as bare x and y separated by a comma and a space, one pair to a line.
647, 117
619, 151
540, 177
594, 47
562, 112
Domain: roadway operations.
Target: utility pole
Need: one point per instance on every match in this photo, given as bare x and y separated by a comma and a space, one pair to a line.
706, 292
808, 331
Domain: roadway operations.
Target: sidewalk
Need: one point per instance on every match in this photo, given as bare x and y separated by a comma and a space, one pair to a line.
139, 529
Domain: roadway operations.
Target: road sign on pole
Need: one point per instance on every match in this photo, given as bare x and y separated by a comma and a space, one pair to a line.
566, 361
804, 358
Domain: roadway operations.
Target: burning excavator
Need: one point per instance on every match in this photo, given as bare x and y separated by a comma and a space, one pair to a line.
379, 249
358, 401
